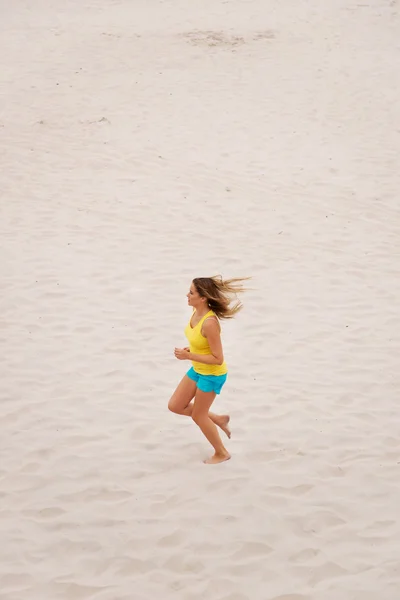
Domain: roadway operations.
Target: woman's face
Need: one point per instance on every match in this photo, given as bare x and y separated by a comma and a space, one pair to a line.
194, 298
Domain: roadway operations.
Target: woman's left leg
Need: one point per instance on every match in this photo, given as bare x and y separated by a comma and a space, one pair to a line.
180, 403
200, 415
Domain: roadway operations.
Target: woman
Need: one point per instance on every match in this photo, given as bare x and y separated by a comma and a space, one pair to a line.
211, 300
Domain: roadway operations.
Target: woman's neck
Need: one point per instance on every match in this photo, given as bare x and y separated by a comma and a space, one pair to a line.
201, 312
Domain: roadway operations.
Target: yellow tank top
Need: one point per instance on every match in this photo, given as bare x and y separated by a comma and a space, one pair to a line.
199, 345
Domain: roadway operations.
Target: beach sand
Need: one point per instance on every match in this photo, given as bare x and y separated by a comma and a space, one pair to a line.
147, 143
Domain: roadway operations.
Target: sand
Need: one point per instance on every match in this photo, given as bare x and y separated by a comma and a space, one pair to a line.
146, 143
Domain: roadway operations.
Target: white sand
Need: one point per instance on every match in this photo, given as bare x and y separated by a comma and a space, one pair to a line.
145, 143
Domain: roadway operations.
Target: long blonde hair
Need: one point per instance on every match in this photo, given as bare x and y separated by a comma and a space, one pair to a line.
219, 292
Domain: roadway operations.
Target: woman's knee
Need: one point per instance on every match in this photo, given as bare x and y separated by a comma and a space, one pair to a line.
199, 417
172, 406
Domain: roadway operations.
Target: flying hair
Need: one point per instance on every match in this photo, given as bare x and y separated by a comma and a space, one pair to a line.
221, 294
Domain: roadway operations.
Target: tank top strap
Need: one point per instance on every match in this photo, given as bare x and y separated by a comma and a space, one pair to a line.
210, 313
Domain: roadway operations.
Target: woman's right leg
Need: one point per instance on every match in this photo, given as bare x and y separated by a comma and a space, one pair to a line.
181, 404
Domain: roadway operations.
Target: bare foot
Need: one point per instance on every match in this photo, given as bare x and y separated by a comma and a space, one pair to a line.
223, 423
217, 458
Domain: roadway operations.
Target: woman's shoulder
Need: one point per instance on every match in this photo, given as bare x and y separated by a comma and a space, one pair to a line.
211, 322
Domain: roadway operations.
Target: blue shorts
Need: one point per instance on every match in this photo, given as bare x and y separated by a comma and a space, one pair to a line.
207, 383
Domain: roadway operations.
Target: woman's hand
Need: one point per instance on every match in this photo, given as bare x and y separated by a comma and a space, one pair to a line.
182, 353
